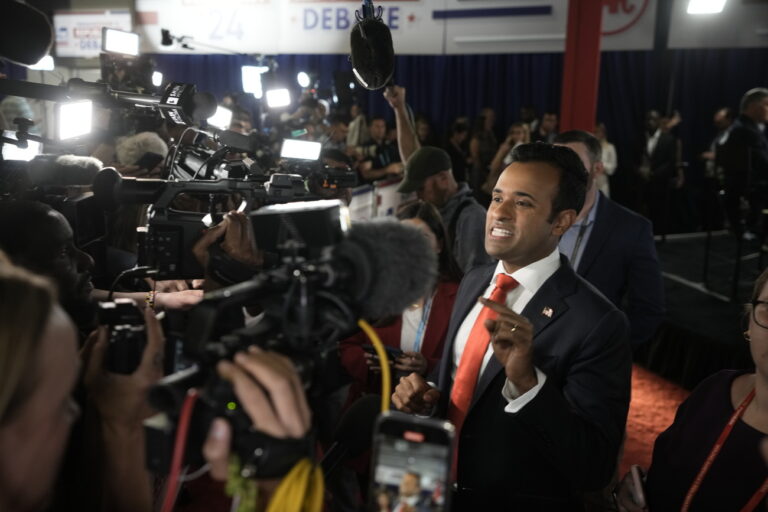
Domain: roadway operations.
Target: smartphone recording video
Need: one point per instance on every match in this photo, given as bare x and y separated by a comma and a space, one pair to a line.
411, 464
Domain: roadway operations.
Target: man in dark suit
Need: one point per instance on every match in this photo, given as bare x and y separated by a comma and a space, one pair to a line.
658, 162
613, 248
537, 382
744, 157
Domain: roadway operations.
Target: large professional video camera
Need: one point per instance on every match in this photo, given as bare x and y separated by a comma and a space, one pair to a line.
181, 210
331, 274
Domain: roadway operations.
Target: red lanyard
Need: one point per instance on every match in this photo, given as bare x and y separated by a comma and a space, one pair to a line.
758, 496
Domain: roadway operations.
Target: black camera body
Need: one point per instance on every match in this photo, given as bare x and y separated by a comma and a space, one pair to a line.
127, 335
166, 242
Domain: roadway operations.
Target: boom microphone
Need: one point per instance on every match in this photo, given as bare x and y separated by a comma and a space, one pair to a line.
373, 56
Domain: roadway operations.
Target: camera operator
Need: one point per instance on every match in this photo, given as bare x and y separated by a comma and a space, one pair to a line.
40, 239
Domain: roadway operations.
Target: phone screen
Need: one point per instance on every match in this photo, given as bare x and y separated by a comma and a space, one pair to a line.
411, 464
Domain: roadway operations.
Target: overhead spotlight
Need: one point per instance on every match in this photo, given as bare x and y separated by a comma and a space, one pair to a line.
705, 6
157, 78
277, 98
119, 41
74, 119
251, 76
44, 64
351, 85
303, 79
221, 119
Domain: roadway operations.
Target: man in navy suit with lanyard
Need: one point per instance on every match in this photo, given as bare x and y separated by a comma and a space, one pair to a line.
536, 372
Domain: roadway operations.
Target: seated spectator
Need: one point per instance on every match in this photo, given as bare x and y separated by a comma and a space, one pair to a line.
455, 147
420, 331
424, 131
482, 147
336, 137
610, 160
708, 459
517, 134
546, 130
380, 157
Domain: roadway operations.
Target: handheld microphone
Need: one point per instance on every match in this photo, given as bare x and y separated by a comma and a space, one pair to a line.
372, 53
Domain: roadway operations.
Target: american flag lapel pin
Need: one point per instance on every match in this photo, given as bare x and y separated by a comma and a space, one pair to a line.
547, 312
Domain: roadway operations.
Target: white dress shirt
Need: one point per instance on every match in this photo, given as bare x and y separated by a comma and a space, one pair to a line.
530, 278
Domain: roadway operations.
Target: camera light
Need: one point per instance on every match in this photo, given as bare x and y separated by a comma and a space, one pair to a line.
74, 119
44, 64
221, 119
157, 78
300, 149
119, 41
705, 6
277, 98
351, 85
251, 76
11, 152
303, 79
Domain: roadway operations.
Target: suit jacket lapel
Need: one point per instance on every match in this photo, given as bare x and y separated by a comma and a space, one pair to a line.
542, 310
601, 230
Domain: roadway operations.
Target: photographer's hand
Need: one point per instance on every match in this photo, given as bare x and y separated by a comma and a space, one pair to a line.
270, 391
120, 406
237, 241
121, 400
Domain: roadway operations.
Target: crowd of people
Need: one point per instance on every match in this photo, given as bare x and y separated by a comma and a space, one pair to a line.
545, 288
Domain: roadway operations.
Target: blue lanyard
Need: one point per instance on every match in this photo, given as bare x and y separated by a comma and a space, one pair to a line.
422, 325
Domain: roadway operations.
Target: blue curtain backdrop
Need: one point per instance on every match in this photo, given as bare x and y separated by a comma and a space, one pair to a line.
444, 87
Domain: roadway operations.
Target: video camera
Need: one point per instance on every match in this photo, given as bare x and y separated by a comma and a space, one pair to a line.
330, 275
181, 210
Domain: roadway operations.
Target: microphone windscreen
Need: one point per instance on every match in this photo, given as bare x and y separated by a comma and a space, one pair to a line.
355, 428
373, 56
399, 267
26, 34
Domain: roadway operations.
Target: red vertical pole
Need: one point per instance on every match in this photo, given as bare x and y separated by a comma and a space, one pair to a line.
581, 65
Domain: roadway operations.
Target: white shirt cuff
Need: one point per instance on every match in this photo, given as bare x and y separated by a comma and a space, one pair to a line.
516, 401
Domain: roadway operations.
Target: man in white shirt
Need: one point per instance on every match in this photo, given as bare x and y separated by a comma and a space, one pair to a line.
537, 380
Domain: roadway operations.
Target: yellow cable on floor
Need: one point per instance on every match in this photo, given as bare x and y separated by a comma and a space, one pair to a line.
386, 378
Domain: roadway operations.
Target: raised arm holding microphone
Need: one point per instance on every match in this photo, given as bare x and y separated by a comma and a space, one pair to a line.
536, 372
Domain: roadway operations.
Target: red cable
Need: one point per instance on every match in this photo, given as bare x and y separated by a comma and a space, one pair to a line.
178, 450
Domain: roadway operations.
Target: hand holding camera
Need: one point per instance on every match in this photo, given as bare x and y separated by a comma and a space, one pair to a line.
121, 399
270, 392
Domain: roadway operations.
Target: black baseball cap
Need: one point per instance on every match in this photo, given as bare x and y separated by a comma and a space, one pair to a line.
425, 162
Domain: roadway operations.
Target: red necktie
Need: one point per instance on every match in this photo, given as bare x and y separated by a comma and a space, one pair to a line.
474, 351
